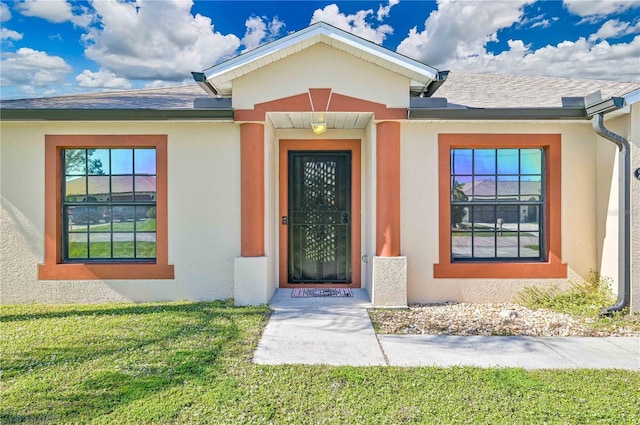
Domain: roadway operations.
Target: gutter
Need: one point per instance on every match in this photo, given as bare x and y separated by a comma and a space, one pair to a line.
115, 114
439, 113
624, 213
431, 88
202, 81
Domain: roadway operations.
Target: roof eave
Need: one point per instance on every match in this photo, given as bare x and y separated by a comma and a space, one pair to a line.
497, 114
115, 114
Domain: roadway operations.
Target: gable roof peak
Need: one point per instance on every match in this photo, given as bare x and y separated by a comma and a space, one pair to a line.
217, 80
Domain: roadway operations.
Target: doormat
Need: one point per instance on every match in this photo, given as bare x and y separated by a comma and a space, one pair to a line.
321, 292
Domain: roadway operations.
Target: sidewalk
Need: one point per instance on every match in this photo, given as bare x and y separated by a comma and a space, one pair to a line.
338, 331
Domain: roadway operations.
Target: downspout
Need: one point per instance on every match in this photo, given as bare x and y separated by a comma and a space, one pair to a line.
624, 214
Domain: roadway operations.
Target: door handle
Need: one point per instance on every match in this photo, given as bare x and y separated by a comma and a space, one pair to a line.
285, 220
345, 218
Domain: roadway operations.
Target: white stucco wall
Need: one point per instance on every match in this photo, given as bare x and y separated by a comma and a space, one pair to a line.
331, 69
368, 204
272, 213
203, 208
420, 215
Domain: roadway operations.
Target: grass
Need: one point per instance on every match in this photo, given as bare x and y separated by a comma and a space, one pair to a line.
503, 233
127, 226
168, 363
121, 249
584, 299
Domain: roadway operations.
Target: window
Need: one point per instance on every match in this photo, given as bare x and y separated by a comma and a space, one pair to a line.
500, 206
105, 208
109, 204
497, 204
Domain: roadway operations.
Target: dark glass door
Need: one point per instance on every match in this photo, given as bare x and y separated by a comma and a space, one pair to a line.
319, 217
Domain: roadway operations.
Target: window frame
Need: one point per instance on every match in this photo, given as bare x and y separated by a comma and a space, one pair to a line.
497, 203
109, 203
54, 267
551, 266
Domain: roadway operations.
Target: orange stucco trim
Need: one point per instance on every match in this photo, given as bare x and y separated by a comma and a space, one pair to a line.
388, 189
53, 268
320, 99
356, 230
252, 189
553, 267
336, 103
342, 103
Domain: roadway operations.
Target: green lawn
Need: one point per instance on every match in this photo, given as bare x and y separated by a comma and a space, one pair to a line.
145, 249
190, 363
504, 233
126, 226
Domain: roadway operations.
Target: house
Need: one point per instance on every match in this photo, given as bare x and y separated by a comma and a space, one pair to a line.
322, 159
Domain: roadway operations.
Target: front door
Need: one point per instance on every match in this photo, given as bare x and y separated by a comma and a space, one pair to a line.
319, 217
319, 203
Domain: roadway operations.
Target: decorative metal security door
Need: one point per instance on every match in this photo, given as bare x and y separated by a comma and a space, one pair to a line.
319, 221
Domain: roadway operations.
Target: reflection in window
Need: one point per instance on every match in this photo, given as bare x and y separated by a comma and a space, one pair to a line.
109, 204
497, 204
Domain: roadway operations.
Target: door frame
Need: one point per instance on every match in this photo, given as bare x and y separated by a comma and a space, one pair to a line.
349, 145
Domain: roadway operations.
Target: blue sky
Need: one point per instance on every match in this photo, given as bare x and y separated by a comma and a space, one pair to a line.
56, 47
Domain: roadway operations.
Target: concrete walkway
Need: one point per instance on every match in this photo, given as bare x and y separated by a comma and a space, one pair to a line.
338, 331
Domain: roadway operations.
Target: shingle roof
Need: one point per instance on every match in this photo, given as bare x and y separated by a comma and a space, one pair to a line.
180, 97
472, 90
487, 188
514, 91
119, 185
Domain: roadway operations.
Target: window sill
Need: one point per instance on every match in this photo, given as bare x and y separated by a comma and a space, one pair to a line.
110, 271
520, 270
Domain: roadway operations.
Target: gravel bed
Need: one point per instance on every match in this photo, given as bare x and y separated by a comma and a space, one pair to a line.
491, 319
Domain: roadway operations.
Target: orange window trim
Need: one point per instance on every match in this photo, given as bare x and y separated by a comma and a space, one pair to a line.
553, 267
53, 267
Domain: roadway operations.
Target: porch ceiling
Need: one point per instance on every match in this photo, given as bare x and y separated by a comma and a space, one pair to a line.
334, 120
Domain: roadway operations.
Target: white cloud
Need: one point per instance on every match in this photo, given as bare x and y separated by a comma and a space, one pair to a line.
162, 83
545, 23
613, 28
56, 11
143, 41
101, 79
356, 23
579, 59
460, 30
52, 10
383, 11
33, 68
598, 8
456, 35
7, 34
5, 13
260, 31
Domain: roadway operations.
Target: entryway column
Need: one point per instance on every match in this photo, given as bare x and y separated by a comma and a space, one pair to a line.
389, 286
250, 269
252, 189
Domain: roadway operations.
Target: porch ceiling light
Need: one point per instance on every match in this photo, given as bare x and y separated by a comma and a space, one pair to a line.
319, 127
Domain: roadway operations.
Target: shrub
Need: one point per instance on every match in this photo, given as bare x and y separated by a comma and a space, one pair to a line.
584, 298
